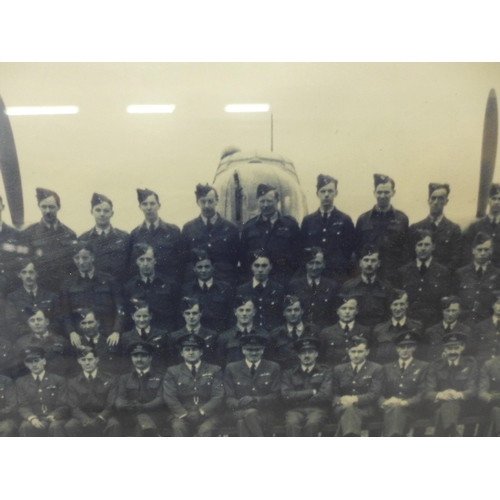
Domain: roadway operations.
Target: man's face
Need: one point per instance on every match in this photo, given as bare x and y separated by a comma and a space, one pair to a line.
326, 195
208, 204
89, 326
358, 354
451, 314
142, 318
399, 307
308, 357
424, 248
36, 365
347, 311
38, 323
453, 351
141, 360
437, 201
102, 214
494, 202
261, 268
482, 253
268, 204
146, 263
369, 264
405, 351
88, 362
49, 209
28, 275
253, 354
383, 194
293, 314
191, 354
496, 308
315, 267
245, 313
192, 316
84, 261
204, 270
150, 207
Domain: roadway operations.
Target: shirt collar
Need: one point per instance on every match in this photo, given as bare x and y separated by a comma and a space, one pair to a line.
35, 289
39, 376
342, 324
250, 364
451, 325
255, 283
144, 278
377, 210
436, 220
329, 212
148, 329
155, 224
453, 363
93, 340
194, 330
209, 283
406, 362
494, 219
358, 366
495, 320
427, 262
308, 369
99, 231
143, 371
248, 327
196, 365
365, 279
50, 226
299, 327
94, 374
213, 219
1, 226
483, 267
44, 335
402, 322
90, 274
310, 281
272, 219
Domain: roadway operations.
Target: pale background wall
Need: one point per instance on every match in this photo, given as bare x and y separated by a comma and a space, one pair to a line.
417, 122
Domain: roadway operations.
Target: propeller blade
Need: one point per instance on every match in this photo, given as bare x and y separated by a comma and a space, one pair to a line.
488, 152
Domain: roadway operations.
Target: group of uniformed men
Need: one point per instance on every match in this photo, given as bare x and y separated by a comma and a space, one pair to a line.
183, 332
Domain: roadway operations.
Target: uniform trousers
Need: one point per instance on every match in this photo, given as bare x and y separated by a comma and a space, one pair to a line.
144, 424
110, 428
351, 419
304, 422
52, 429
252, 422
182, 428
7, 428
397, 420
494, 424
446, 418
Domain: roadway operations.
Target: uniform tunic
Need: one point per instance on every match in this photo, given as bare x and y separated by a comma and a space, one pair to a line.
221, 243
229, 345
305, 412
486, 340
210, 350
336, 237
110, 356
448, 241
8, 406
433, 339
489, 393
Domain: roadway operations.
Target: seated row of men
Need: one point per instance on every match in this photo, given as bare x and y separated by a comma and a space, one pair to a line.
198, 398
50, 241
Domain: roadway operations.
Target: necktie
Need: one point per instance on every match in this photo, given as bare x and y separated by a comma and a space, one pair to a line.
32, 296
314, 287
423, 269
252, 369
205, 288
294, 332
398, 326
143, 333
102, 235
259, 288
209, 226
355, 370
480, 273
346, 329
403, 366
447, 329
325, 218
193, 369
246, 331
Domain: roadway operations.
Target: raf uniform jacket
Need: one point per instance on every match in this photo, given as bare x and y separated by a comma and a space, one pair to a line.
318, 302
373, 301
297, 387
145, 392
101, 294
366, 384
110, 356
384, 350
88, 400
486, 340
281, 242
221, 244
10, 250
229, 345
10, 325
425, 292
268, 303
448, 241
334, 342
408, 385
110, 250
216, 303
8, 398
433, 339
462, 378
167, 245
43, 299
57, 348
156, 337
41, 399
6, 357
337, 237
489, 381
475, 294
264, 386
483, 225
210, 352
389, 232
162, 296
281, 343
182, 392
52, 250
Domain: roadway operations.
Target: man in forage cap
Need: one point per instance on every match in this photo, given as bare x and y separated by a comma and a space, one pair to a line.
49, 241
385, 227
330, 229
111, 245
273, 232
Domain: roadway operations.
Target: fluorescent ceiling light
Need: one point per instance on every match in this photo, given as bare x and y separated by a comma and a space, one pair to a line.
41, 110
151, 108
246, 108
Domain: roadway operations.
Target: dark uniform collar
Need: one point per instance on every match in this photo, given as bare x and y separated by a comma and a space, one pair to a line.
376, 212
